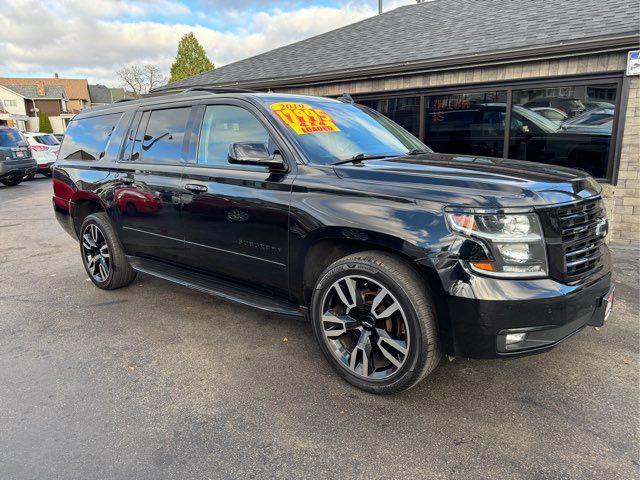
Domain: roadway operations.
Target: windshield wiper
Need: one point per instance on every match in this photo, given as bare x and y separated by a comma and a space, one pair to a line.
360, 157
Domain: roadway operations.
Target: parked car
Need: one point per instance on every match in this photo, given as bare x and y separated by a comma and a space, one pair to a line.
570, 106
15, 157
44, 147
325, 209
598, 121
59, 136
553, 114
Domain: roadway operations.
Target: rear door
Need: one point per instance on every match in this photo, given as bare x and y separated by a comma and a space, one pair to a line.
147, 198
236, 216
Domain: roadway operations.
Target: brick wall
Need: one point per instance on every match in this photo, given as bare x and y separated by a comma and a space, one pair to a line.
622, 200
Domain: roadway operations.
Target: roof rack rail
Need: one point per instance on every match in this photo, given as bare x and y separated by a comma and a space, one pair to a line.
346, 98
218, 90
120, 100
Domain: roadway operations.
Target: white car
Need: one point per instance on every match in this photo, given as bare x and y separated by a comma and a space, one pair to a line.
44, 147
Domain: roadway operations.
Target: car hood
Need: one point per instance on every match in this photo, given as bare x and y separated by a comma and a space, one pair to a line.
469, 181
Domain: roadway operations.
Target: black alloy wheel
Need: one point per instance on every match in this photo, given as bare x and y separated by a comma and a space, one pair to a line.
365, 327
95, 251
374, 319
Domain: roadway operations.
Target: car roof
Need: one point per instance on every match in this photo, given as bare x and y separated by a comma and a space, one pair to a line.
196, 95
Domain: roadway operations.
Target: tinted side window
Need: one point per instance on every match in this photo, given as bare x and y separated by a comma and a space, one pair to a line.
164, 136
87, 138
47, 140
223, 125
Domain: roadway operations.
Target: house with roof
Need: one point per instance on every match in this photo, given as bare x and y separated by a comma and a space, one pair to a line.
52, 100
13, 110
537, 80
100, 95
77, 90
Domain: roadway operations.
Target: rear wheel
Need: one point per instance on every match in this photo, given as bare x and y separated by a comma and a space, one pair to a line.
11, 181
102, 254
375, 323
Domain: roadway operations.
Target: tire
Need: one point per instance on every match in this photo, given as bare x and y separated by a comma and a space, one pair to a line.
337, 329
28, 177
102, 254
11, 181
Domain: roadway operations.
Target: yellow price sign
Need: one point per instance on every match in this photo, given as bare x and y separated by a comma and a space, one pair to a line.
303, 118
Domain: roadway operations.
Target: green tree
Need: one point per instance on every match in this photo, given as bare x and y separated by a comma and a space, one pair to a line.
190, 60
45, 123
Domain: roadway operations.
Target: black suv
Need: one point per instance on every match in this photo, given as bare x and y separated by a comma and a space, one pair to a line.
16, 160
321, 208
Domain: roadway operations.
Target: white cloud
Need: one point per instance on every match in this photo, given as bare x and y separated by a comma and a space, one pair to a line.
89, 38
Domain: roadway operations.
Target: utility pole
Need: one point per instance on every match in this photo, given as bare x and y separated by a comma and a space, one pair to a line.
379, 7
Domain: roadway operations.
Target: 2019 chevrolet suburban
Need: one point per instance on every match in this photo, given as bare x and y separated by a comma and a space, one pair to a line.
326, 209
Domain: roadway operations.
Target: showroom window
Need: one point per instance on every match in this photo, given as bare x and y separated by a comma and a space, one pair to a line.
568, 123
579, 136
467, 123
404, 111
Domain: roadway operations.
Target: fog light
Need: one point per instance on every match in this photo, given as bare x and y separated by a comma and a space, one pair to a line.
513, 338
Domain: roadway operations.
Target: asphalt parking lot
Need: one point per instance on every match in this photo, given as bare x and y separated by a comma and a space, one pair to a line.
158, 381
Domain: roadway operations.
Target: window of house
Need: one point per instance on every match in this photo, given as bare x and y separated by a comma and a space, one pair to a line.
226, 124
404, 111
581, 139
10, 103
163, 136
466, 123
86, 138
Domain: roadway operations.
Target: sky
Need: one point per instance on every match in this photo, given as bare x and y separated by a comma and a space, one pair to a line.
94, 38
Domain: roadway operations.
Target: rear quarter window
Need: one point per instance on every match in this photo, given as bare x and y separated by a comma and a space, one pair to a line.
47, 140
87, 138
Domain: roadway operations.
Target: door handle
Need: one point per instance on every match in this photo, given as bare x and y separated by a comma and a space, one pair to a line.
196, 188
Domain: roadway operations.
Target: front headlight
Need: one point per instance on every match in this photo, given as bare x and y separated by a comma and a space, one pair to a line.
514, 242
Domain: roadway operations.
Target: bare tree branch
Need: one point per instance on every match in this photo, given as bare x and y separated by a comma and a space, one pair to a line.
140, 79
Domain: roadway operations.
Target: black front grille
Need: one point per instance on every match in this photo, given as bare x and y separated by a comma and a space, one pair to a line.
575, 236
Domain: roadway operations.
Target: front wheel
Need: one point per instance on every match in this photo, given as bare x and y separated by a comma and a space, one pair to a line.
374, 320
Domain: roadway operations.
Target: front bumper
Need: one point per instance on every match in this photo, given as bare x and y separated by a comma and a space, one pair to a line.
17, 167
483, 310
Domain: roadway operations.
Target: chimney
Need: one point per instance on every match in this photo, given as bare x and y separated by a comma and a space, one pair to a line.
40, 88
55, 75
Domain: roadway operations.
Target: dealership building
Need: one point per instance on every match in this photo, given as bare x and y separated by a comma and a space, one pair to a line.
552, 81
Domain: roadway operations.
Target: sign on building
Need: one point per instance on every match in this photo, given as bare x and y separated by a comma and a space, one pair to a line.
633, 62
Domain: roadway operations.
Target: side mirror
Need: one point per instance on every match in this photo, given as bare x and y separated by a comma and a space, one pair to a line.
251, 153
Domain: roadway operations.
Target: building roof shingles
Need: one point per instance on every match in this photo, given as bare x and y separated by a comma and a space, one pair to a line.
31, 91
77, 89
100, 94
430, 31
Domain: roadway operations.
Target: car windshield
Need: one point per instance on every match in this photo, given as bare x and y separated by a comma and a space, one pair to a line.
9, 137
47, 140
329, 131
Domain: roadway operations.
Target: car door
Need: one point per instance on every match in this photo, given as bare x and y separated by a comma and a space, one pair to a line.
236, 216
147, 197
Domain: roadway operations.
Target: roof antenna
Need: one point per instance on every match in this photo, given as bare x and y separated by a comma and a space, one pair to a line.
346, 98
